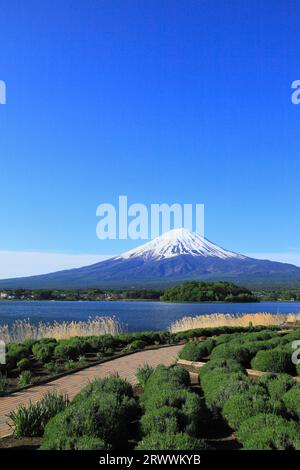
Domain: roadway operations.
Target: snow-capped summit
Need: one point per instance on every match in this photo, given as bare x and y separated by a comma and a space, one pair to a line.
176, 256
177, 242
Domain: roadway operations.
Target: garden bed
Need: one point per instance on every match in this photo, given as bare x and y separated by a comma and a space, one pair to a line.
36, 362
44, 378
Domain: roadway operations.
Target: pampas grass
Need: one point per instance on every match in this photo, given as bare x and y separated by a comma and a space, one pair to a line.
21, 330
226, 319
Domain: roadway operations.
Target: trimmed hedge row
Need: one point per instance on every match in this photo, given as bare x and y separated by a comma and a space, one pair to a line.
255, 408
265, 350
196, 351
48, 349
173, 416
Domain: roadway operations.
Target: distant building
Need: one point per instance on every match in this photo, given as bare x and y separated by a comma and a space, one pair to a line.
3, 295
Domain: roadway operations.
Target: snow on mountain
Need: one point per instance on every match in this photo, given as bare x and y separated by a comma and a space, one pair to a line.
175, 257
179, 242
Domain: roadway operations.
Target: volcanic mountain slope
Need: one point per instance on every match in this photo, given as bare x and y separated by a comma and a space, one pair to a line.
176, 256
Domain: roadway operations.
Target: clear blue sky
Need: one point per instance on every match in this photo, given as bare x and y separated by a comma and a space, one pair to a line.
162, 100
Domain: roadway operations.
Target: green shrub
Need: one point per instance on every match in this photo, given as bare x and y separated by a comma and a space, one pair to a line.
113, 385
291, 400
25, 378
269, 431
169, 405
69, 365
192, 412
292, 336
51, 367
68, 348
179, 441
28, 343
241, 406
229, 365
196, 351
15, 352
108, 341
276, 384
232, 351
103, 416
275, 360
23, 364
175, 376
30, 420
166, 419
90, 443
269, 439
219, 384
143, 373
43, 351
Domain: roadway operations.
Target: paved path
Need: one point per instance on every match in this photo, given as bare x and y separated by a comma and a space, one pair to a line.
71, 384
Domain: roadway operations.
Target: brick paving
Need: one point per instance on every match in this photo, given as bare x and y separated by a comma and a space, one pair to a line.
72, 384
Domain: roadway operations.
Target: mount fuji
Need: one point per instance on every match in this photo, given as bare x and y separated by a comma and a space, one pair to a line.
174, 257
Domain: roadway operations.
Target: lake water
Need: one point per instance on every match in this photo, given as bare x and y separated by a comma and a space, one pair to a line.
136, 316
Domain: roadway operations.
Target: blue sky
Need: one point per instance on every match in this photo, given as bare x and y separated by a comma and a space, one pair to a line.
161, 100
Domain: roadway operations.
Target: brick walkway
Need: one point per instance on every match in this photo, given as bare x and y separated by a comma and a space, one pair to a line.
73, 383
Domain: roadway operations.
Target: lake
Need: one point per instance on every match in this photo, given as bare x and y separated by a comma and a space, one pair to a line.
136, 316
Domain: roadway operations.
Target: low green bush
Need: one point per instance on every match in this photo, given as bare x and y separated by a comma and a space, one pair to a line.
70, 364
274, 360
143, 374
102, 416
169, 405
25, 378
221, 330
220, 384
134, 346
90, 443
269, 431
68, 349
291, 400
292, 336
15, 352
113, 385
269, 439
165, 419
232, 350
179, 441
276, 384
52, 367
28, 343
43, 351
23, 364
241, 406
229, 365
174, 377
196, 351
